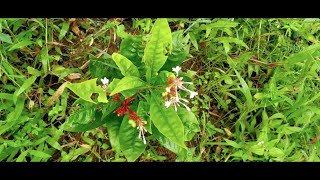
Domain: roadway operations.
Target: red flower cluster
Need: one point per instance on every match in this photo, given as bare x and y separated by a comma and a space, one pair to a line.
116, 97
125, 108
137, 119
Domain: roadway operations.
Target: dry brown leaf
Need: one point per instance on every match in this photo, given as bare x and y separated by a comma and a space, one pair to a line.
86, 146
72, 19
56, 95
74, 76
313, 141
218, 150
228, 132
56, 43
75, 29
31, 104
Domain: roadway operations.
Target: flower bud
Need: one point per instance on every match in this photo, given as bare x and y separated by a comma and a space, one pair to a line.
132, 123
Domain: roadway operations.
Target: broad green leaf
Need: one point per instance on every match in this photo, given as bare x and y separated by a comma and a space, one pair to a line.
39, 154
27, 84
257, 149
276, 152
132, 48
180, 50
33, 71
166, 121
87, 118
131, 145
154, 57
190, 123
113, 127
100, 68
64, 30
85, 89
232, 143
5, 38
102, 97
128, 83
20, 44
125, 65
166, 142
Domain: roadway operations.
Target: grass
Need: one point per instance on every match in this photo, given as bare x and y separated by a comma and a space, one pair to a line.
257, 79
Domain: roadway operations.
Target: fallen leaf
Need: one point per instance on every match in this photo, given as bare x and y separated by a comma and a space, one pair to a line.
86, 146
228, 132
31, 104
72, 19
56, 95
218, 150
74, 76
75, 29
313, 141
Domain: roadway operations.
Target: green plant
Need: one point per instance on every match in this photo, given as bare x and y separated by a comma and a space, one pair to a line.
145, 98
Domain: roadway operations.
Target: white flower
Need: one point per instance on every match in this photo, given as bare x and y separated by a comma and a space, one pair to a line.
167, 104
105, 81
193, 94
142, 130
168, 89
176, 69
177, 101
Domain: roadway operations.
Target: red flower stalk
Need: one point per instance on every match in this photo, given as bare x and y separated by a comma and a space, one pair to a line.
133, 115
116, 98
122, 110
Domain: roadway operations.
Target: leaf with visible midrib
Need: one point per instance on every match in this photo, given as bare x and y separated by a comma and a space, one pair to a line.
190, 122
126, 67
167, 121
85, 89
131, 145
128, 82
113, 127
154, 57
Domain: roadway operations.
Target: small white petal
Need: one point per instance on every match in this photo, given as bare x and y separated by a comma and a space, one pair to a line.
185, 106
183, 100
105, 81
167, 104
176, 69
193, 94
168, 89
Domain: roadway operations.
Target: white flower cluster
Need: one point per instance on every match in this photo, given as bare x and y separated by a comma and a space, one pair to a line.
174, 84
